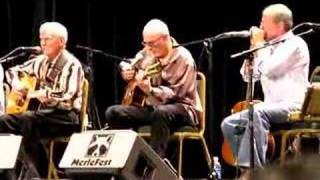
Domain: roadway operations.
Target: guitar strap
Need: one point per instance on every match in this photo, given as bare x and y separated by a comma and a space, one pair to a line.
56, 70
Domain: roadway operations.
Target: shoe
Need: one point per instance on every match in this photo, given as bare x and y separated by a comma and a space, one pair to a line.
245, 174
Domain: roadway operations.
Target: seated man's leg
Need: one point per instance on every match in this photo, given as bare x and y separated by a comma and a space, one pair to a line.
56, 123
232, 128
124, 117
236, 132
25, 125
264, 115
167, 119
33, 126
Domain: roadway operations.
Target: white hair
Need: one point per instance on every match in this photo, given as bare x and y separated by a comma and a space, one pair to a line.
281, 13
156, 26
56, 29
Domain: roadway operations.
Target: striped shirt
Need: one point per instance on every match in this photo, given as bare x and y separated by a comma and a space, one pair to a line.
67, 84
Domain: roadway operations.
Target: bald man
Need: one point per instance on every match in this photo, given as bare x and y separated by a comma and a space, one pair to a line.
172, 100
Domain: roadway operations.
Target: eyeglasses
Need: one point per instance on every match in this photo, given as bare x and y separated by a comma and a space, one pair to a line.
152, 43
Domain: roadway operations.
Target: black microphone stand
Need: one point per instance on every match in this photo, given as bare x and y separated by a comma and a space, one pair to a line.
93, 110
249, 55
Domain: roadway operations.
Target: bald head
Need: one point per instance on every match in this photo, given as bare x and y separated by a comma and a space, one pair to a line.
156, 27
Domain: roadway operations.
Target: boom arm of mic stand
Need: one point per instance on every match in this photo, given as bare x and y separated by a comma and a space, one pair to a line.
210, 39
2, 60
247, 52
9, 54
102, 53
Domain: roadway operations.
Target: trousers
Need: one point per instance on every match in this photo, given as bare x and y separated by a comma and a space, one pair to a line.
235, 130
163, 119
35, 125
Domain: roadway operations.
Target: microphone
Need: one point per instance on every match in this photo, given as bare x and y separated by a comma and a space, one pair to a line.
139, 56
128, 63
36, 49
240, 34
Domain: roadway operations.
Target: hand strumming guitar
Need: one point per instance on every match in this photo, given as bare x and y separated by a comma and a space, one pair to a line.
41, 95
143, 82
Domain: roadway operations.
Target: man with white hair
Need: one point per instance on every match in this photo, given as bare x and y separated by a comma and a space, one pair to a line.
283, 72
172, 100
59, 76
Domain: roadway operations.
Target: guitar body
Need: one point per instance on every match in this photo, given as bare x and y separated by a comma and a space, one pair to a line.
17, 101
133, 95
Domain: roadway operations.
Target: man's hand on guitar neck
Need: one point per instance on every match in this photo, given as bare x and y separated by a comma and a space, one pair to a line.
17, 85
128, 75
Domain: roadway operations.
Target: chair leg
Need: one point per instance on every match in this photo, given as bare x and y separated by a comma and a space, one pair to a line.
297, 145
50, 168
180, 156
283, 147
52, 171
207, 153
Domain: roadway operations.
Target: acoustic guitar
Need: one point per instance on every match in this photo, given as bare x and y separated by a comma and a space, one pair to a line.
18, 101
133, 94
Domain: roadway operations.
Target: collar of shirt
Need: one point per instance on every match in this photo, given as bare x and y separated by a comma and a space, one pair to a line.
166, 60
284, 36
52, 62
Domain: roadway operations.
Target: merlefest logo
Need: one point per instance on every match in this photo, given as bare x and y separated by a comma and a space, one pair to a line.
96, 152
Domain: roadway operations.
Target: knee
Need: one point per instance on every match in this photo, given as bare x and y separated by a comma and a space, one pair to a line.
163, 112
226, 124
111, 112
159, 111
223, 126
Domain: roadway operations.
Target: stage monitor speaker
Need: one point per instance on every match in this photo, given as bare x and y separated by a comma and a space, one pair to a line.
10, 146
117, 152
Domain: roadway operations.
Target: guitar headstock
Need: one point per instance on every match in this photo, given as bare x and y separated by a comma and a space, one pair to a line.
153, 69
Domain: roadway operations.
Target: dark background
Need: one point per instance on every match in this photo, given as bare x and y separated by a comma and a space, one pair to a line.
116, 27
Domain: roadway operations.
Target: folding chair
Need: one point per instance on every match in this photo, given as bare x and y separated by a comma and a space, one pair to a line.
187, 133
52, 170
